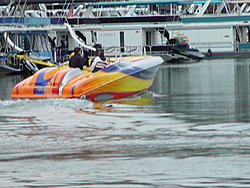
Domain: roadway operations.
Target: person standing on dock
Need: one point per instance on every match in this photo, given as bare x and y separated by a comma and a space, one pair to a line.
77, 60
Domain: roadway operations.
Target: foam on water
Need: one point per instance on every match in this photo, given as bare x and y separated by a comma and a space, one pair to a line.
10, 106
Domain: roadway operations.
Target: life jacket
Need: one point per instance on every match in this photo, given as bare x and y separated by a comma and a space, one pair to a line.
101, 64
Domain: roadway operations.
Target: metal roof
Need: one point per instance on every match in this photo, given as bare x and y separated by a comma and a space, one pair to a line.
46, 1
124, 3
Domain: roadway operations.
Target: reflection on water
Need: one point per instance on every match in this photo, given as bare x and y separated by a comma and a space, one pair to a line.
7, 82
211, 91
242, 91
190, 130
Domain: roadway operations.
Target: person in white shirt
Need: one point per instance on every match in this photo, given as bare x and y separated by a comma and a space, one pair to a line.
98, 62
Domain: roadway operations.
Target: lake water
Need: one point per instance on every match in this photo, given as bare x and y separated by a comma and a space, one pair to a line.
191, 129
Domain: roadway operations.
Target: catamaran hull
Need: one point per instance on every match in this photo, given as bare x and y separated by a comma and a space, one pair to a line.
119, 80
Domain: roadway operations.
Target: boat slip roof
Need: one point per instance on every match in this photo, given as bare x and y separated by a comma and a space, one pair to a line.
46, 1
145, 2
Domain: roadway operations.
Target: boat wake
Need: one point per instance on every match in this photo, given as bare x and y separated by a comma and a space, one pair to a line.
12, 106
38, 106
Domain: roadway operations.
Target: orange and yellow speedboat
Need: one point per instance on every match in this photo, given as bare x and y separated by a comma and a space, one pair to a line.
127, 76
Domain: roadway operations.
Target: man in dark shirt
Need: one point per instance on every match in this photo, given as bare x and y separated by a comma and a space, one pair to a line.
77, 60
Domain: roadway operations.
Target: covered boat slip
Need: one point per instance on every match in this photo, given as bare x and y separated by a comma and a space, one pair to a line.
32, 36
93, 8
26, 34
126, 27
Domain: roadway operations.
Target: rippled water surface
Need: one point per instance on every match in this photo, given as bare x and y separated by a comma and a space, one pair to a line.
191, 129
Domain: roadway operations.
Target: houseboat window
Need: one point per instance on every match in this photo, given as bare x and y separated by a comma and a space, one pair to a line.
26, 43
122, 41
94, 36
34, 44
148, 38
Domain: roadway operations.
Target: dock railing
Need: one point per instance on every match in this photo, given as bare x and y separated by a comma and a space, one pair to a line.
117, 51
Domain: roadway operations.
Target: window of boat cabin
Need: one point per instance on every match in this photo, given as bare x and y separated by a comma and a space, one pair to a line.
148, 38
122, 41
